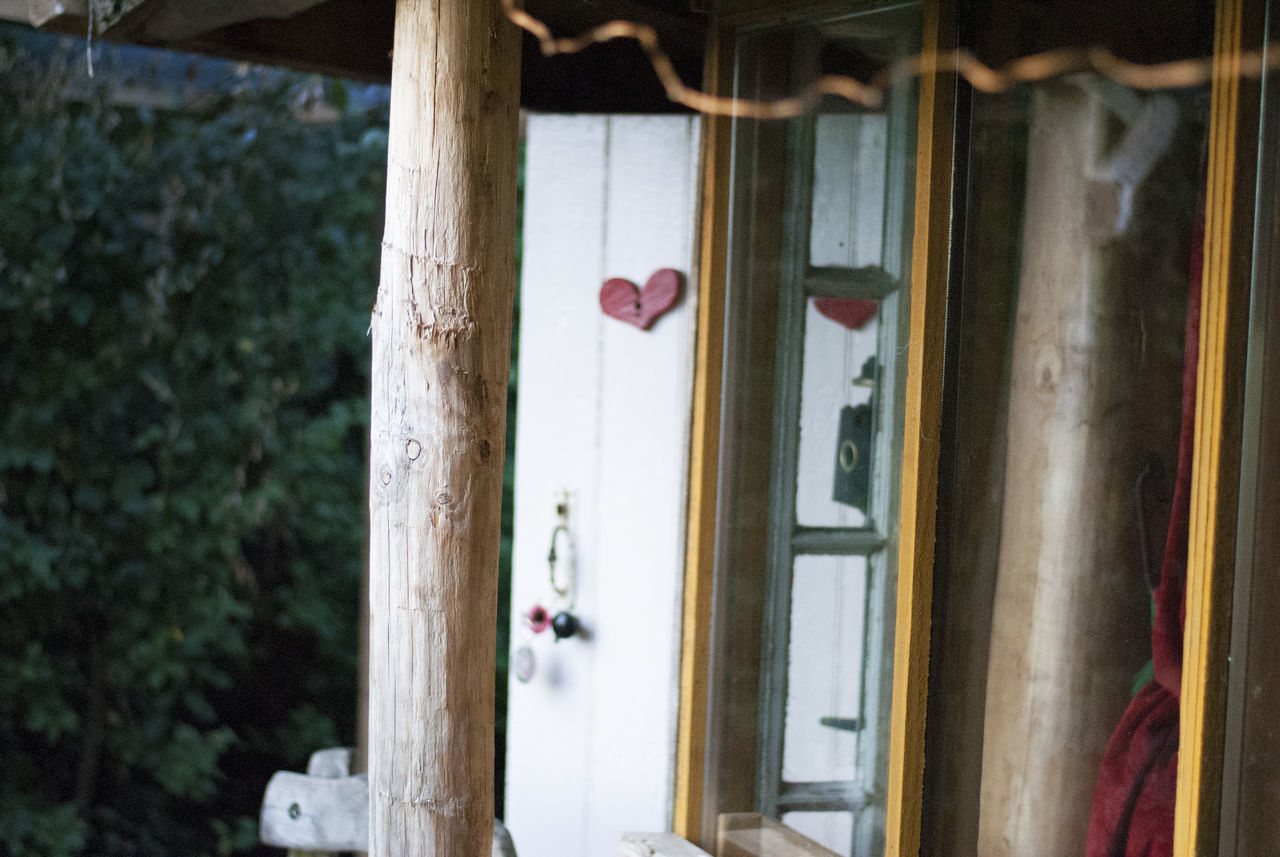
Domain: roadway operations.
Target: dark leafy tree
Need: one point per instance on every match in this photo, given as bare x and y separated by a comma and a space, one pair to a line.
184, 298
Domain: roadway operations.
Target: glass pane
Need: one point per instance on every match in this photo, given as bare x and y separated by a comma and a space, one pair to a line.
1059, 697
811, 431
837, 412
824, 669
1251, 779
849, 168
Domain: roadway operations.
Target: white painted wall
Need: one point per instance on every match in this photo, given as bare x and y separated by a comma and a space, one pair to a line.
603, 414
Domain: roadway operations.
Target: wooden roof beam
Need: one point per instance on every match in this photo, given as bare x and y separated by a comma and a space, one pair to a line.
172, 20
352, 39
147, 21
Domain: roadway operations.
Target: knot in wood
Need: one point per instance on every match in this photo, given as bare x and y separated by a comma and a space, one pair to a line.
1047, 367
388, 468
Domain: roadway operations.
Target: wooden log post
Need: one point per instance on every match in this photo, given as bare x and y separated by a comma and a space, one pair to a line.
1089, 400
441, 330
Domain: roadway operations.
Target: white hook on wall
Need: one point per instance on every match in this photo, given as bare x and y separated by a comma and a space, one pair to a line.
1150, 124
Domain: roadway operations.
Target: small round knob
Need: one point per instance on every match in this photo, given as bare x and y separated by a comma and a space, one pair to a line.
565, 625
537, 618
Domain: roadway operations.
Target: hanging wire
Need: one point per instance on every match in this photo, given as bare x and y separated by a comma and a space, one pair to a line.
1176, 74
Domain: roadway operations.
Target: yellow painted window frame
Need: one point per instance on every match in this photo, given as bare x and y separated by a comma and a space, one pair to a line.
1223, 329
1215, 483
695, 643
930, 272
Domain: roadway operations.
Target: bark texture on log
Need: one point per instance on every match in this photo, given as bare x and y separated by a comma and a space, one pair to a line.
441, 330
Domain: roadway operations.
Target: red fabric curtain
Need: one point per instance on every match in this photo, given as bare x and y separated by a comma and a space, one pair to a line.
1133, 805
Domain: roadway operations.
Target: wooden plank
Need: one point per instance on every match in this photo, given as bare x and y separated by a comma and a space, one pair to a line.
695, 650
332, 763
353, 38
441, 334
557, 433
836, 796
150, 21
328, 812
181, 19
315, 813
930, 269
1216, 456
869, 282
338, 38
749, 834
834, 540
603, 415
658, 845
643, 416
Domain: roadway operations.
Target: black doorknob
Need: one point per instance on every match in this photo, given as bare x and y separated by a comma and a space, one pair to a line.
564, 625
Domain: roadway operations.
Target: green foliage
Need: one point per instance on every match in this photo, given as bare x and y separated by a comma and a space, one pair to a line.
184, 300
508, 518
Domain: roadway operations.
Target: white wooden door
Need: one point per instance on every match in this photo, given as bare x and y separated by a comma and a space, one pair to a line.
603, 415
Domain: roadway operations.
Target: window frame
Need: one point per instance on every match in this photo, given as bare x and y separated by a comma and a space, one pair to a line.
1215, 491
1231, 199
691, 818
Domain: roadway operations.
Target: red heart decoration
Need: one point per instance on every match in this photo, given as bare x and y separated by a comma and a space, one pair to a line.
853, 313
621, 299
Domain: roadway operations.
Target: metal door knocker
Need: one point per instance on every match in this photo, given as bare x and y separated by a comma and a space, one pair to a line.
560, 617
563, 624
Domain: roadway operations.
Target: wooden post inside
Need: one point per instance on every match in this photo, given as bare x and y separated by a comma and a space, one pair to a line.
441, 328
1089, 401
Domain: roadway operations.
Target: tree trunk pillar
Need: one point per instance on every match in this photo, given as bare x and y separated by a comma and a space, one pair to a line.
441, 329
1088, 402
